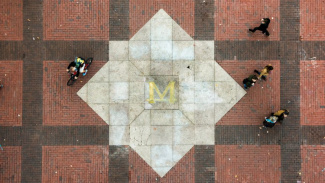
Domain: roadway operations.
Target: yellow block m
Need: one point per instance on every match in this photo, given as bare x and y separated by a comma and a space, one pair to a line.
153, 86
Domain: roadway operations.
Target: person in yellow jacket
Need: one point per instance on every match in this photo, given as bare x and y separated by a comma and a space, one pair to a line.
264, 72
281, 114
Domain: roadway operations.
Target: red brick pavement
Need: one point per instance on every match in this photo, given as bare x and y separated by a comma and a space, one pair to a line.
75, 164
183, 171
61, 104
10, 164
312, 20
312, 82
248, 163
258, 102
12, 93
76, 20
11, 20
234, 18
313, 163
181, 11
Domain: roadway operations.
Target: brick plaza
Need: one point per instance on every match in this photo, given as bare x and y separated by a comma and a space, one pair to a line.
50, 132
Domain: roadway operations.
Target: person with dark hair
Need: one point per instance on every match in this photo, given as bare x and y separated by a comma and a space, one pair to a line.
281, 114
250, 81
1, 85
264, 72
263, 27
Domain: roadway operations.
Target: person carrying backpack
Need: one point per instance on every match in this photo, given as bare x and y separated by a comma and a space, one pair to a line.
270, 121
77, 66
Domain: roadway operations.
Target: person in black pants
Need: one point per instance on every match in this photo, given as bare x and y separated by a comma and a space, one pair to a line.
264, 25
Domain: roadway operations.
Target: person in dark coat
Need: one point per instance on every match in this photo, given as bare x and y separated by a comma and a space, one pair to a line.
250, 81
263, 27
270, 121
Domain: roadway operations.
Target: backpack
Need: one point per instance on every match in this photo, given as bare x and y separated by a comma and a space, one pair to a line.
79, 61
272, 119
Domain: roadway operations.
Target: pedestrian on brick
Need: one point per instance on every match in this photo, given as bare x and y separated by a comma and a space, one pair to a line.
264, 72
281, 114
270, 121
250, 81
1, 85
263, 27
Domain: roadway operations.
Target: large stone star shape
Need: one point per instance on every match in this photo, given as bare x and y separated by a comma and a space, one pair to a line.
161, 132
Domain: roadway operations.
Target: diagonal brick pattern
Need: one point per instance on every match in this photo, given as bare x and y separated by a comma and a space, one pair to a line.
75, 164
11, 20
76, 20
312, 104
260, 100
12, 93
61, 104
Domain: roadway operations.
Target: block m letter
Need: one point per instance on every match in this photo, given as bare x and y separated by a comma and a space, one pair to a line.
170, 87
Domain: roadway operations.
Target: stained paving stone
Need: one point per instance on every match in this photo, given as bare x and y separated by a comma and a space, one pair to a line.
297, 38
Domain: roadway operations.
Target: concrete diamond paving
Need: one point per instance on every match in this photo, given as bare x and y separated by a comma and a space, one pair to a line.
163, 100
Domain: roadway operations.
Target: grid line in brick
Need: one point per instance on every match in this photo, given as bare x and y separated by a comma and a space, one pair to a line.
76, 20
12, 93
142, 11
10, 164
248, 163
234, 18
260, 100
312, 82
75, 164
61, 104
183, 171
11, 20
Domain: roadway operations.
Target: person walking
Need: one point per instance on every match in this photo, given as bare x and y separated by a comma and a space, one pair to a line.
1, 85
250, 81
264, 72
281, 114
270, 121
263, 27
